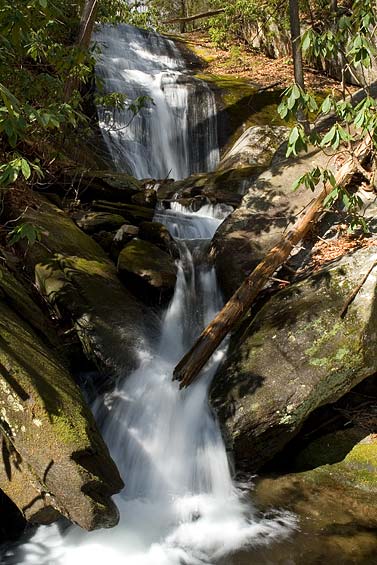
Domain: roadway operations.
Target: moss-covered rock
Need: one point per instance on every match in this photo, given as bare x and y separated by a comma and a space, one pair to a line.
337, 520
296, 355
145, 268
54, 459
79, 280
341, 457
18, 298
241, 106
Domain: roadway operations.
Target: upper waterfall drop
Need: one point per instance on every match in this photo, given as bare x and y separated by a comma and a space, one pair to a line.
174, 136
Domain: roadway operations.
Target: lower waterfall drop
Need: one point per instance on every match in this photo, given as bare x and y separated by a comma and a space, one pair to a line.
179, 506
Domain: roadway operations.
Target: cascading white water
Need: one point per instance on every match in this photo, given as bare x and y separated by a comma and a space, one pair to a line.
174, 136
179, 506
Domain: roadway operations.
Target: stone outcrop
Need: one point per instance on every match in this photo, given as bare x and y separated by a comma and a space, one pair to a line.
146, 269
297, 354
159, 235
241, 165
255, 148
267, 209
81, 283
94, 222
54, 461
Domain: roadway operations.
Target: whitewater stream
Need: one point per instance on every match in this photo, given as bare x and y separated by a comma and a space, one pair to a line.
179, 505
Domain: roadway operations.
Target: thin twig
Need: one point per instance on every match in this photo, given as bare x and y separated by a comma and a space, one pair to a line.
355, 291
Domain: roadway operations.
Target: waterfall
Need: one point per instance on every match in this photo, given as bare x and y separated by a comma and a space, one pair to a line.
173, 136
179, 506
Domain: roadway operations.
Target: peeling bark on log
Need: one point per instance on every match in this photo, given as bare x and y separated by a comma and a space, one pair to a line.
189, 367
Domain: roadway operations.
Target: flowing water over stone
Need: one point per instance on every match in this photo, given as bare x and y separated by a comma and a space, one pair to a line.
179, 505
173, 136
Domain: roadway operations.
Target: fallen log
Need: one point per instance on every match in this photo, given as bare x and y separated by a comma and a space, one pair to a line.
200, 16
190, 365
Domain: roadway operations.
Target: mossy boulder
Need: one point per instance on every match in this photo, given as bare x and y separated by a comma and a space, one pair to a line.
76, 276
146, 269
337, 516
54, 460
297, 354
348, 457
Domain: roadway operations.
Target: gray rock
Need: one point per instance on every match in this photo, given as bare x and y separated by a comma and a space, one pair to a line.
266, 211
125, 233
296, 355
159, 235
256, 147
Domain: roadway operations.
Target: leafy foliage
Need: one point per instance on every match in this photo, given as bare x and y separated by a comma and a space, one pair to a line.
349, 38
37, 56
25, 231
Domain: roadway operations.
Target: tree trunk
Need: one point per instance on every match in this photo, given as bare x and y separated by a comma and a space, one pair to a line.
294, 19
182, 24
188, 368
188, 19
83, 41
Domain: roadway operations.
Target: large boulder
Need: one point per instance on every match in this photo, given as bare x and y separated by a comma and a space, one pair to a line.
54, 461
147, 269
266, 211
81, 283
255, 148
297, 354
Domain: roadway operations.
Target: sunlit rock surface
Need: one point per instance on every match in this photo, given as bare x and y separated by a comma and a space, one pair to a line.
297, 354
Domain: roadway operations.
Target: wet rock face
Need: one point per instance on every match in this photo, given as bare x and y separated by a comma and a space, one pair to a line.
146, 269
296, 355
